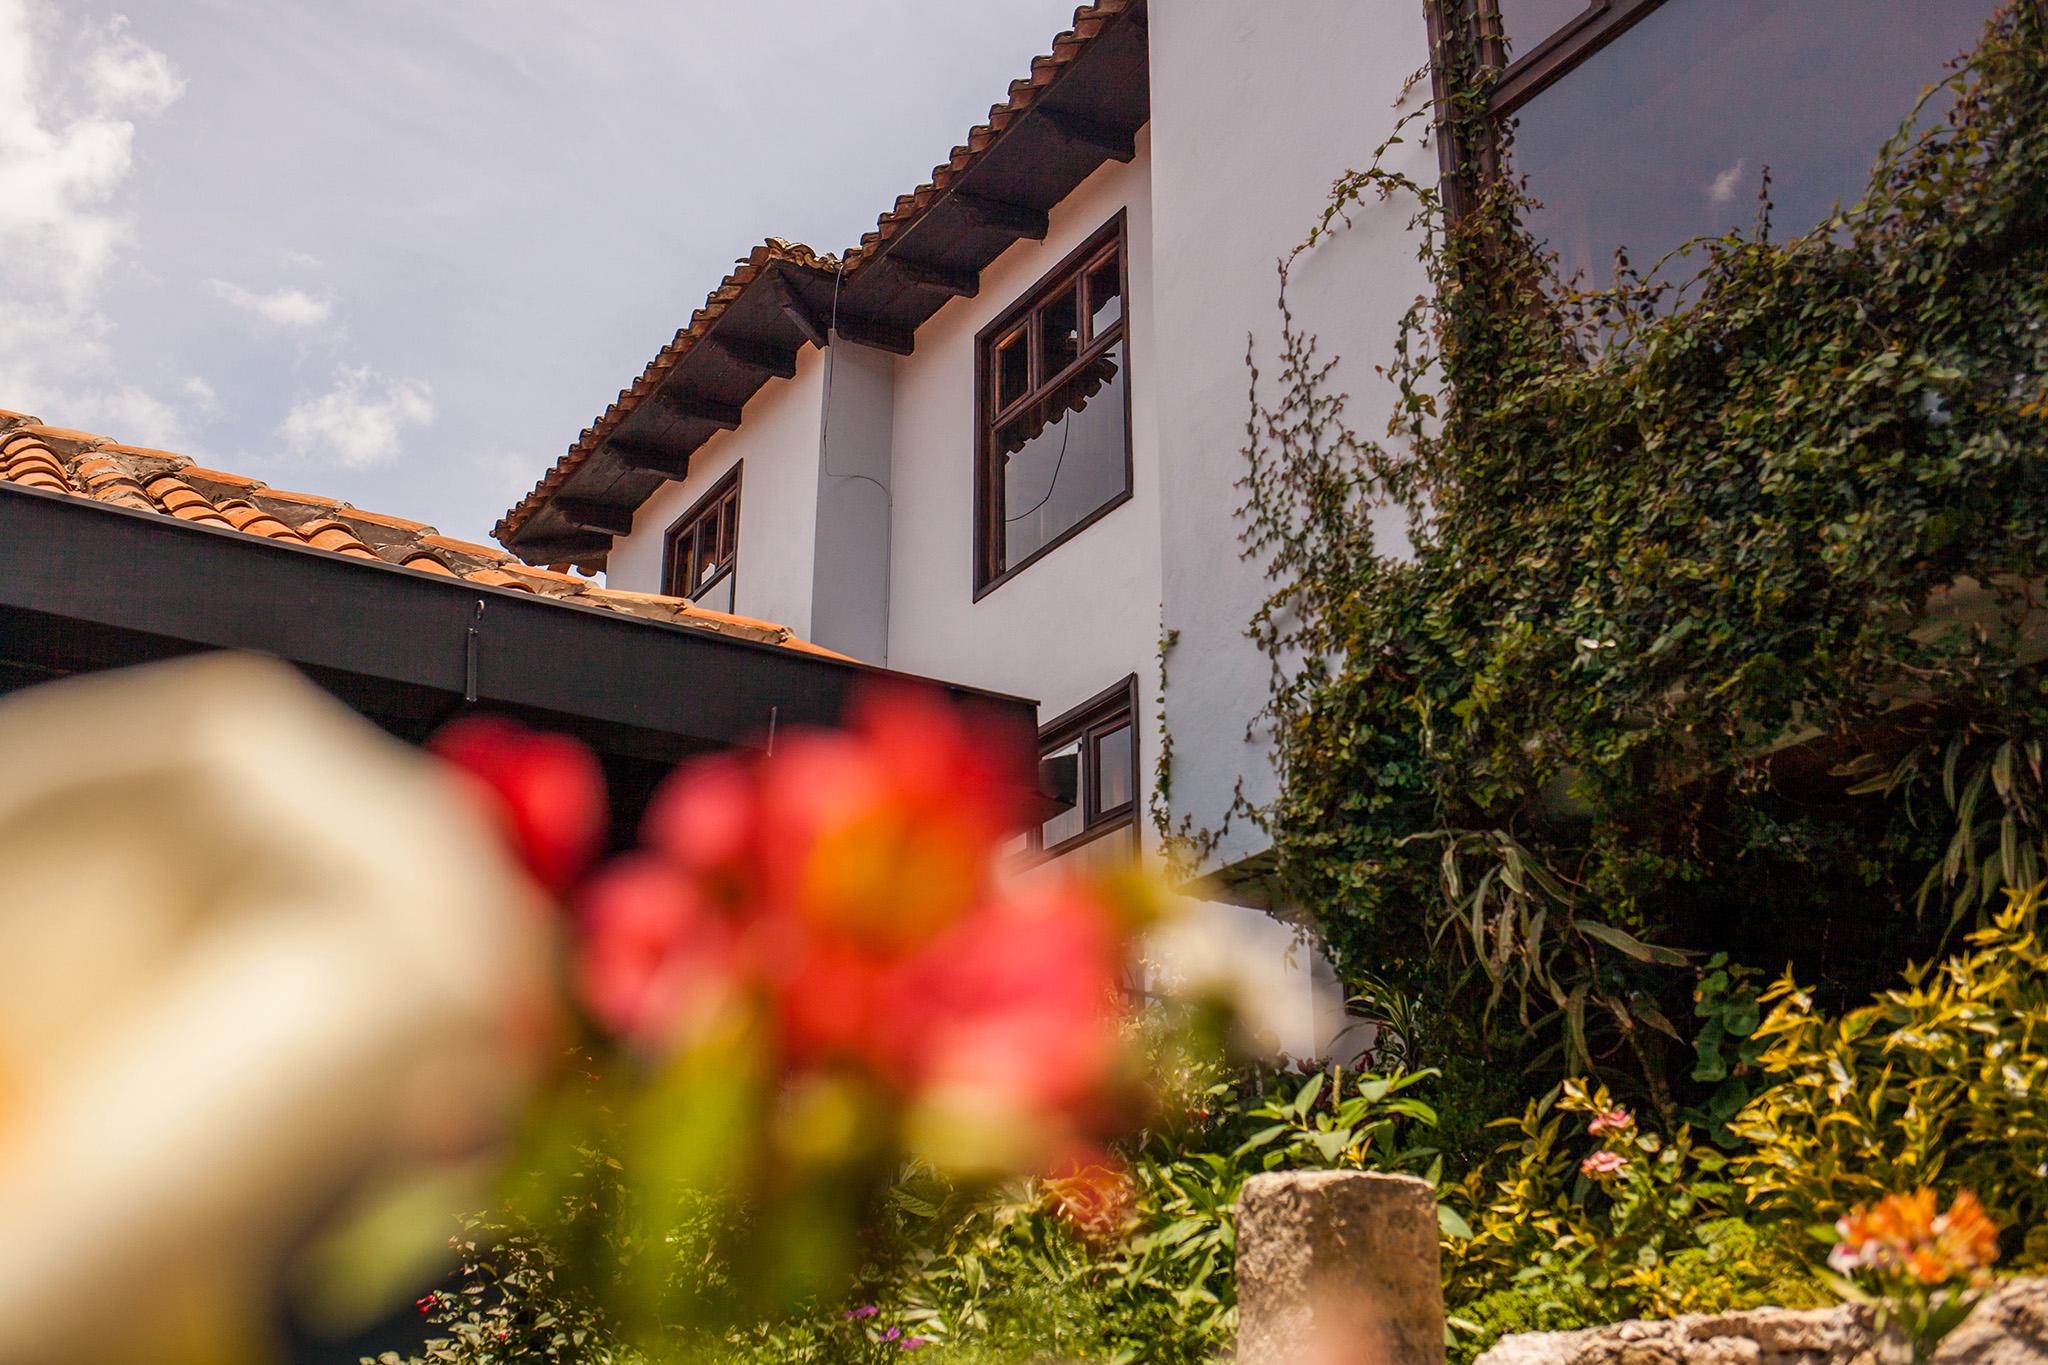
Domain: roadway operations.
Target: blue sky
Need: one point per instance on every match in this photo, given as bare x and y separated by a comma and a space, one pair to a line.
402, 251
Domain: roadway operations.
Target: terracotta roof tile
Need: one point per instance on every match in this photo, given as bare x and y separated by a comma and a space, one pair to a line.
498, 578
82, 465
1089, 21
489, 553
405, 524
333, 535
257, 522
309, 500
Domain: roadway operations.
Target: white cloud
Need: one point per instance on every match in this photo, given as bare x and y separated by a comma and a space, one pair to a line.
124, 75
1727, 183
360, 421
279, 307
67, 139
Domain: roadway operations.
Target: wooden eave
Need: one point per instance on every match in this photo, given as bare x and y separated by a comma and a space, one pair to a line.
929, 249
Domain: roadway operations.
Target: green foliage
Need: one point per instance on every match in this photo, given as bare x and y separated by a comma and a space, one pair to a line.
1557, 1245
1723, 597
1942, 1082
1010, 1276
1729, 1006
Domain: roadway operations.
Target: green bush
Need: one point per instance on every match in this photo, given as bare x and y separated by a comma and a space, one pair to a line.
1942, 1082
1716, 631
1559, 1240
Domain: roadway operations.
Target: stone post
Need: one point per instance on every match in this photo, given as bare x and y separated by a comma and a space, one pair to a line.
1338, 1268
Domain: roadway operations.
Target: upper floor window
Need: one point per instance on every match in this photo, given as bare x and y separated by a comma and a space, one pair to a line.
703, 547
1054, 434
1640, 124
1093, 750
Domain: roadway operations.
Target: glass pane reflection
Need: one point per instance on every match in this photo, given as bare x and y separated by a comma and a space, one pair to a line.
1070, 822
1105, 296
1059, 330
1664, 135
1113, 768
1063, 458
1528, 22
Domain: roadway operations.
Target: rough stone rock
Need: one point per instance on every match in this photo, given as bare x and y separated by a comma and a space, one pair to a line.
1338, 1268
2010, 1327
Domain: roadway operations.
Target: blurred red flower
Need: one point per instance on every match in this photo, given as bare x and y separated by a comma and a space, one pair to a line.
848, 884
545, 791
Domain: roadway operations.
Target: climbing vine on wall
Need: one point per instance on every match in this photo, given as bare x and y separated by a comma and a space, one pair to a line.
1722, 626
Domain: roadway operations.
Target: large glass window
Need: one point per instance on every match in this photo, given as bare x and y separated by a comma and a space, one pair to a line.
704, 547
1641, 125
1055, 412
1094, 751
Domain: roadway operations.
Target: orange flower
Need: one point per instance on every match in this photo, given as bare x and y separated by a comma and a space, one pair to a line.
1906, 1233
1966, 1234
1094, 1195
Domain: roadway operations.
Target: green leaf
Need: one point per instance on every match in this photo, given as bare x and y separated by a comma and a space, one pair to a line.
1633, 946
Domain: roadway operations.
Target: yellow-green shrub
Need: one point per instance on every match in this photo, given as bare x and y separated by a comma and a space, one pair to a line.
1942, 1082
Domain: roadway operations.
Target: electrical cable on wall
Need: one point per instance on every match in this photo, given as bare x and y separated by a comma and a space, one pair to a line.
1069, 431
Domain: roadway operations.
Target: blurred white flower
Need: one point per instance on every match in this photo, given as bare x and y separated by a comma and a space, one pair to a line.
1230, 956
258, 964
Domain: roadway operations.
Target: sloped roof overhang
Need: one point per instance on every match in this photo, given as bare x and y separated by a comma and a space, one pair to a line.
1082, 106
409, 650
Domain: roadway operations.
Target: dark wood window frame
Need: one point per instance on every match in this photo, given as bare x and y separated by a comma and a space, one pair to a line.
989, 572
1521, 80
712, 504
1114, 708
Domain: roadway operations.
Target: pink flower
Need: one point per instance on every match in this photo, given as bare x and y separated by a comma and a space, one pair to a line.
866, 1310
1612, 1121
1603, 1163
545, 791
915, 1343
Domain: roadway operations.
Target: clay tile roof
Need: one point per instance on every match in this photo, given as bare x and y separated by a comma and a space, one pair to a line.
1089, 21
774, 251
82, 465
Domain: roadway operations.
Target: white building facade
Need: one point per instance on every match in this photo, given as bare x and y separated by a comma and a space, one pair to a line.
1000, 441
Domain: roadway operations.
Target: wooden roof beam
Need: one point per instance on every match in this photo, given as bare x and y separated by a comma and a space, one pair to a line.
797, 311
690, 407
880, 335
959, 284
669, 461
607, 519
574, 548
1091, 134
1015, 220
755, 355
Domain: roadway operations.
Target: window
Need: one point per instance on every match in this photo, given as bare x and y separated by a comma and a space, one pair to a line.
1095, 748
1641, 124
703, 548
1054, 426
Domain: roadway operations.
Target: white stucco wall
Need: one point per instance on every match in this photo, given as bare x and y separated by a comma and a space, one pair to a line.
850, 576
1256, 110
1086, 615
778, 441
